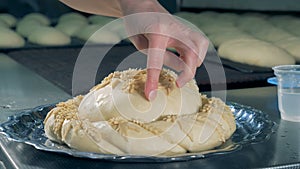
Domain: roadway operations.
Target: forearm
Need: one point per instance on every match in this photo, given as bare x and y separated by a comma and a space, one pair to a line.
115, 8
137, 6
100, 7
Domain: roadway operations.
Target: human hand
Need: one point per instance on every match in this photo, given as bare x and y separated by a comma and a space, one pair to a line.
152, 30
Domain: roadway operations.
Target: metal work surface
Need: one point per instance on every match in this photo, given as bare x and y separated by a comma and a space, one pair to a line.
20, 88
23, 89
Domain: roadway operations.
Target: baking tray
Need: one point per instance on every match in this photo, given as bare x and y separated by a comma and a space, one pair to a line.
253, 126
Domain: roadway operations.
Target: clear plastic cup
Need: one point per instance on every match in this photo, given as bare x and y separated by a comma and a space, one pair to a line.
288, 89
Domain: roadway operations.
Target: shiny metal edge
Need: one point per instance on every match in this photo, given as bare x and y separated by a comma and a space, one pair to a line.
247, 118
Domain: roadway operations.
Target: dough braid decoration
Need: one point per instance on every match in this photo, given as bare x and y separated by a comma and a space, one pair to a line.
210, 126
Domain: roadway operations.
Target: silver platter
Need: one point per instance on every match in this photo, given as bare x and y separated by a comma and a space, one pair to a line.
253, 126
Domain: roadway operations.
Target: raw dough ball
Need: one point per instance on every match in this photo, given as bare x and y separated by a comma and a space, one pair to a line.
86, 32
253, 24
199, 22
9, 19
212, 21
71, 27
3, 24
111, 24
255, 15
10, 39
185, 15
262, 28
282, 21
228, 17
291, 45
215, 28
216, 19
211, 48
203, 18
26, 27
272, 34
209, 14
48, 36
90, 33
255, 52
188, 16
221, 37
293, 27
44, 20
72, 16
289, 23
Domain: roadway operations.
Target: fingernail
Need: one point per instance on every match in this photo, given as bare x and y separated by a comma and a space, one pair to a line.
152, 95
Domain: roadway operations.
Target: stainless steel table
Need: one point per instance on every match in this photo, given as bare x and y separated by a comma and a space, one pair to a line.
21, 89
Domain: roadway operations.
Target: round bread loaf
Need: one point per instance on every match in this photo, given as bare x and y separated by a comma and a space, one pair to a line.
115, 118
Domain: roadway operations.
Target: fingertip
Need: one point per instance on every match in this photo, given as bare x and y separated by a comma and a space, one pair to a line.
152, 95
151, 83
150, 91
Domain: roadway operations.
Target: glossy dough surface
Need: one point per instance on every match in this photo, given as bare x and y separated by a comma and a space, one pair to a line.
115, 118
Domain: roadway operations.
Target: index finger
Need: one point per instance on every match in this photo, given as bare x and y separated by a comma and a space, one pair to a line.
155, 59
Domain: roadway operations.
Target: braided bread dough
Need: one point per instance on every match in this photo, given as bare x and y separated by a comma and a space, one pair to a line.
97, 122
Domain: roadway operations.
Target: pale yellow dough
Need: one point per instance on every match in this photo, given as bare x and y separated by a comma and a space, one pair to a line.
71, 27
115, 118
26, 27
272, 34
10, 39
9, 19
218, 28
253, 24
72, 16
41, 18
222, 37
255, 52
3, 24
48, 36
95, 34
291, 45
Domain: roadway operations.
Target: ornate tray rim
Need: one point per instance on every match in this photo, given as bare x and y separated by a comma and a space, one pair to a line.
258, 137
